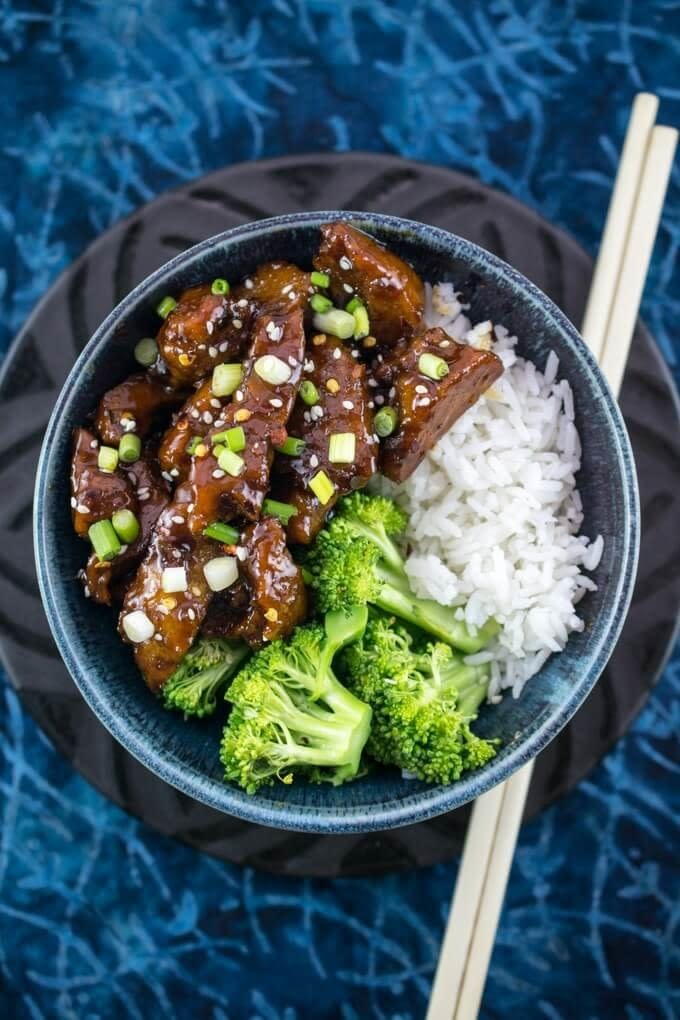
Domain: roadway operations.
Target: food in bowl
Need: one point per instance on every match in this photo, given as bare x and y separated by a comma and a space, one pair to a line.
220, 491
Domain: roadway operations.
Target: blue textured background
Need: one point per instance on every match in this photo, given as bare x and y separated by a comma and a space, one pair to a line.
108, 104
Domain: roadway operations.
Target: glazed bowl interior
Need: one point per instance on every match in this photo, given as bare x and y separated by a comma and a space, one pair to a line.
185, 753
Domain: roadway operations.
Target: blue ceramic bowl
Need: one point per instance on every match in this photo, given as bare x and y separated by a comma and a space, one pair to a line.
185, 754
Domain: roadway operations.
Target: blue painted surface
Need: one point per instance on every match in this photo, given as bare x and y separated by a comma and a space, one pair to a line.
113, 103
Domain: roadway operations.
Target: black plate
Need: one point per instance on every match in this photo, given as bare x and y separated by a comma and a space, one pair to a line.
60, 326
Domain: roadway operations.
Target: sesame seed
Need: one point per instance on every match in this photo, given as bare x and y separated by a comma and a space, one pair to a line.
348, 405
82, 509
158, 637
195, 413
207, 417
174, 472
218, 473
355, 353
275, 402
423, 402
380, 358
74, 502
236, 323
243, 303
212, 351
372, 383
201, 347
292, 295
142, 496
379, 400
273, 331
376, 438
209, 327
177, 519
94, 444
223, 346
129, 424
444, 343
86, 591
241, 553
314, 461
316, 412
307, 417
190, 508
292, 362
419, 389
337, 353
345, 263
214, 402
166, 475
284, 290
346, 287
249, 284
309, 365
392, 394
195, 590
191, 613
371, 404
239, 395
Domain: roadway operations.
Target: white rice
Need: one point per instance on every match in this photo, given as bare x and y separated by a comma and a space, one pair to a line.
494, 512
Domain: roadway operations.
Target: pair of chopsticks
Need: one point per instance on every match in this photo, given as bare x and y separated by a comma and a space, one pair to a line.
608, 326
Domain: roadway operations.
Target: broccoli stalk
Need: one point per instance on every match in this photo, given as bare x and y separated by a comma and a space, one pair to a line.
355, 561
292, 715
194, 686
423, 701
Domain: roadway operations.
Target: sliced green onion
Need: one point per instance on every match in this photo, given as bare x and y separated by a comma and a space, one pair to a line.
272, 370
137, 626
129, 448
165, 306
342, 448
322, 487
362, 326
146, 351
107, 459
174, 579
234, 439
222, 533
309, 392
125, 525
104, 540
336, 322
231, 462
385, 422
320, 279
218, 449
432, 366
221, 572
352, 305
220, 286
320, 303
292, 447
226, 379
193, 443
284, 511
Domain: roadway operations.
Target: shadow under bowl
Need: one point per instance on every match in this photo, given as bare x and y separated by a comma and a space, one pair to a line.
185, 753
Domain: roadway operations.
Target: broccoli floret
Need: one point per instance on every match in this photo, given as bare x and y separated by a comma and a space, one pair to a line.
354, 561
292, 715
423, 701
194, 686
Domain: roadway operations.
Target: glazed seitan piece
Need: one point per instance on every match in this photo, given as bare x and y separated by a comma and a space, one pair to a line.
359, 266
342, 409
174, 617
202, 330
95, 494
270, 599
426, 407
193, 421
261, 407
136, 405
279, 285
105, 581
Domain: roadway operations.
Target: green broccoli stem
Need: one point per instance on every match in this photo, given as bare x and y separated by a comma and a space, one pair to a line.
470, 684
377, 534
396, 597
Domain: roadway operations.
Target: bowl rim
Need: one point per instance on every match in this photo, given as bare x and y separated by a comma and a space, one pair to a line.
422, 804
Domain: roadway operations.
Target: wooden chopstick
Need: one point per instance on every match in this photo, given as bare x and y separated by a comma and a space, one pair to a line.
608, 329
619, 215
